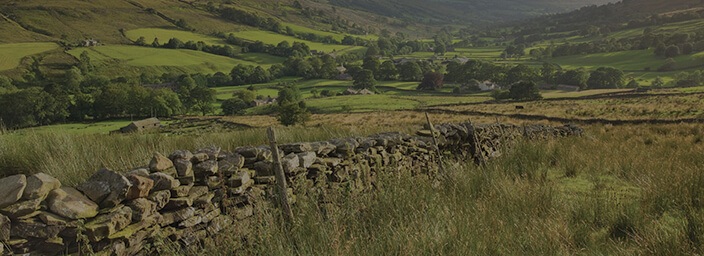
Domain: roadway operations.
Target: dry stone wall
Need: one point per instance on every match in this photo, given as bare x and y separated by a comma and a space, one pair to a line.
187, 197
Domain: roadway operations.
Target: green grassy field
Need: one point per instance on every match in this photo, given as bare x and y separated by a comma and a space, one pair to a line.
336, 36
11, 54
165, 34
188, 60
273, 38
626, 60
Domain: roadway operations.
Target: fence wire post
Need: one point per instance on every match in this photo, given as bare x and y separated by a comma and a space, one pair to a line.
280, 177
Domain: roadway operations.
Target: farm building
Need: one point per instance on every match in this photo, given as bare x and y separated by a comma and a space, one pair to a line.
351, 91
141, 125
90, 42
264, 101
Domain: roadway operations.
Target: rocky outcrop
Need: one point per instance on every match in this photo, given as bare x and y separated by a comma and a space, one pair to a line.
188, 197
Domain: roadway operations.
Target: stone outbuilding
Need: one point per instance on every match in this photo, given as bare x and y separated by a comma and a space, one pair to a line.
141, 125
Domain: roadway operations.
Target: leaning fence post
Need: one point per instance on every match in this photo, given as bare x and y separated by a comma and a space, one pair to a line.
435, 141
280, 177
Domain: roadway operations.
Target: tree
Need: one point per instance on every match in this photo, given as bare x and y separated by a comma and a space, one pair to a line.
606, 78
6, 85
74, 78
241, 74
410, 71
632, 84
141, 41
234, 106
657, 83
388, 71
292, 113
289, 94
521, 72
547, 73
440, 49
672, 51
245, 95
365, 80
84, 63
156, 43
668, 65
431, 81
525, 91
372, 50
576, 77
203, 99
372, 64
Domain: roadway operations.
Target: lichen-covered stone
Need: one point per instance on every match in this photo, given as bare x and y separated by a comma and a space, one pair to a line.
207, 168
163, 181
141, 186
161, 198
175, 216
106, 187
184, 167
264, 168
5, 226
108, 224
33, 228
70, 203
289, 163
181, 154
296, 147
144, 172
22, 208
39, 185
178, 203
11, 189
141, 209
306, 159
181, 191
211, 151
241, 189
239, 178
199, 158
52, 219
160, 163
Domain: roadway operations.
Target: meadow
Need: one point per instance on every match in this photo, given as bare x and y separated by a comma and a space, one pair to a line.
12, 54
269, 37
188, 60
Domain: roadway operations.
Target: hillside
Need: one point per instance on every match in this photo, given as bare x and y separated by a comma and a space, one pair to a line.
463, 11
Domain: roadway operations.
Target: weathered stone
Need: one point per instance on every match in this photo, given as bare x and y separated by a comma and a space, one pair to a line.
247, 151
188, 180
289, 163
141, 209
33, 228
218, 224
141, 186
330, 162
178, 203
239, 178
144, 172
70, 203
199, 158
190, 222
52, 245
106, 187
296, 147
265, 179
11, 189
161, 198
322, 148
211, 151
135, 233
211, 215
52, 219
5, 226
22, 208
264, 168
177, 216
241, 189
193, 238
163, 181
236, 160
181, 191
39, 185
181, 154
264, 153
207, 168
197, 192
184, 167
306, 159
108, 224
204, 201
160, 163
213, 182
344, 146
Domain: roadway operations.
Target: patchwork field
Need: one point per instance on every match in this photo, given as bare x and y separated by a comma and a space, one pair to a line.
189, 60
11, 54
273, 38
626, 60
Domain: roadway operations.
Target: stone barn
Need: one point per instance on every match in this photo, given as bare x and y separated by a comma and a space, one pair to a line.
141, 125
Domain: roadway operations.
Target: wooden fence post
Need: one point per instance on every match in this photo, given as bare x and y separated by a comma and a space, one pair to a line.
435, 141
280, 177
